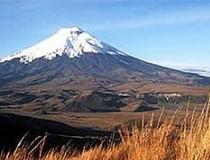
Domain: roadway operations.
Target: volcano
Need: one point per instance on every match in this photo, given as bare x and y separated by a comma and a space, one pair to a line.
71, 52
72, 61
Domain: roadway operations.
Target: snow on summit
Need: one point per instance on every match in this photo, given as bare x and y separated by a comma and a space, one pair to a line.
70, 41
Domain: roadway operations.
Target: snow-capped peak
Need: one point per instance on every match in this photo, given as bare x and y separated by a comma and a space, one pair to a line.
70, 41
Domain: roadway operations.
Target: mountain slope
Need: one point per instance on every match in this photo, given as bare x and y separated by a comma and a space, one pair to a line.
71, 52
116, 68
64, 70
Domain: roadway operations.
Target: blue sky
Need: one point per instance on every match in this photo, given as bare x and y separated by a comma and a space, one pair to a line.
174, 33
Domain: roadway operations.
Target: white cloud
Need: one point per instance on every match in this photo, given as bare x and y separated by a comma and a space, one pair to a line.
182, 64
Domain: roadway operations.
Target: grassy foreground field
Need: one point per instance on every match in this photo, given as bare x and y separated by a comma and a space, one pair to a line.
161, 140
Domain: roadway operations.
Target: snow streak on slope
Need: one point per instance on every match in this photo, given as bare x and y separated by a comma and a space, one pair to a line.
70, 41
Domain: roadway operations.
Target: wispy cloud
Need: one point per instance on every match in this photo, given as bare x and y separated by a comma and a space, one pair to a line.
182, 63
162, 18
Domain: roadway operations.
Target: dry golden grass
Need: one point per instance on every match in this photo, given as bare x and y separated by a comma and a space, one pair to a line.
155, 141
